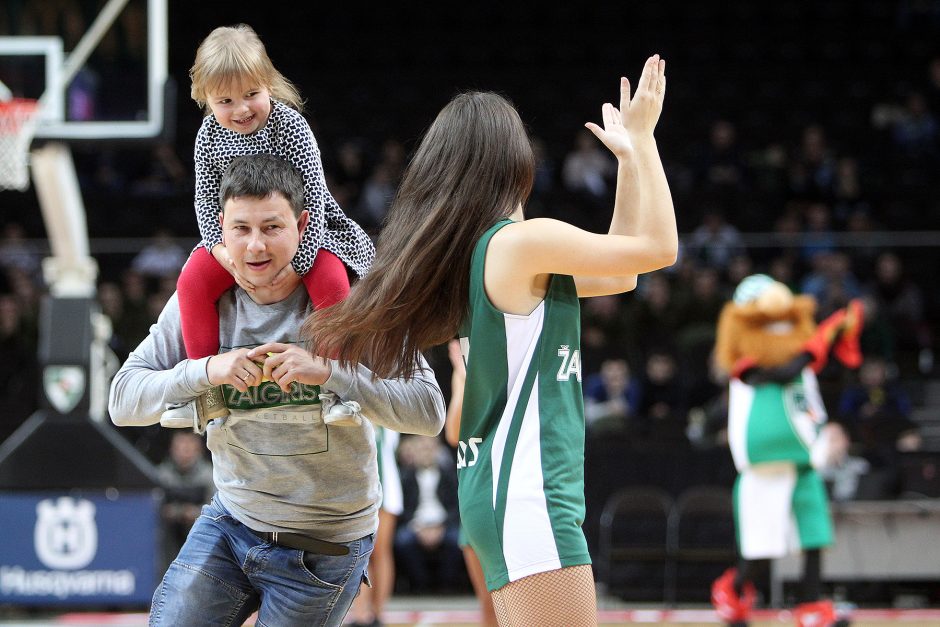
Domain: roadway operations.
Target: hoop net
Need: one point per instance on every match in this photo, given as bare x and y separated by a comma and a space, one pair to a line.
17, 125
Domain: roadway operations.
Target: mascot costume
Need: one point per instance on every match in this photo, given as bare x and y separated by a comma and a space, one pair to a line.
771, 348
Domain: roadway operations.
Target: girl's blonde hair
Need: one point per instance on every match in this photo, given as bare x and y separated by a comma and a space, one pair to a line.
231, 54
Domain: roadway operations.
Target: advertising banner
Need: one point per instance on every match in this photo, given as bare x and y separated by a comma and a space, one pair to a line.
90, 549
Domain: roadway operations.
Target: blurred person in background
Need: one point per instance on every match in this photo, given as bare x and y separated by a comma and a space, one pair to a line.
186, 478
426, 542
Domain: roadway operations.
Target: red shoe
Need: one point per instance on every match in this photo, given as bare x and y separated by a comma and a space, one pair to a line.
730, 607
816, 614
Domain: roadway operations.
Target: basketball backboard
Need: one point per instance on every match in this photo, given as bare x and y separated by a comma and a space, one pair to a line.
104, 81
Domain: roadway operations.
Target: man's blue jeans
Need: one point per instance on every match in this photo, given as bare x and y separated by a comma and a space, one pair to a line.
224, 572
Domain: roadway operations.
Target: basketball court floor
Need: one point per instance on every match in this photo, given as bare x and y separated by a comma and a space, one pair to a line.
409, 611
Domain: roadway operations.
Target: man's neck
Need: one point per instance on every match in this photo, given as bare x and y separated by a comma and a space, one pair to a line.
269, 295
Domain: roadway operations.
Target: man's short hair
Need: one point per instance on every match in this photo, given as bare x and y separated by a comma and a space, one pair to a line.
259, 176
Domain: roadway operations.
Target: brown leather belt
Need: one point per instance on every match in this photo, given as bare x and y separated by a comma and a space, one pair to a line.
302, 542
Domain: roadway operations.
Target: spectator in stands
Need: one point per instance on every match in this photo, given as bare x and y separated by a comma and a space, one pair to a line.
28, 293
162, 257
932, 92
544, 181
112, 305
349, 174
844, 471
186, 478
739, 267
663, 405
705, 300
848, 196
817, 237
865, 249
376, 197
137, 316
901, 301
787, 235
16, 253
831, 282
605, 329
813, 169
781, 269
877, 413
720, 170
715, 242
701, 307
163, 175
19, 368
916, 132
426, 541
588, 169
656, 313
611, 397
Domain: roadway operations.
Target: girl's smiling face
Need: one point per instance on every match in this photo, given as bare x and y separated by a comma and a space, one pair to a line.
240, 106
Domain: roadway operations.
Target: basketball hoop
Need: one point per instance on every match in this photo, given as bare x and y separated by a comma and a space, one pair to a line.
17, 125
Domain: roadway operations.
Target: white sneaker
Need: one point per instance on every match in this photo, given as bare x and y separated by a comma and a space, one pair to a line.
197, 413
179, 416
337, 413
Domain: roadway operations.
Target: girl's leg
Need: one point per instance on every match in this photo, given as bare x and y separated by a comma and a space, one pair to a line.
368, 607
327, 282
383, 562
201, 282
562, 598
475, 570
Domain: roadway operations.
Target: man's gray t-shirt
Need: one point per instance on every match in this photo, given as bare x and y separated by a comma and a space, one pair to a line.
277, 466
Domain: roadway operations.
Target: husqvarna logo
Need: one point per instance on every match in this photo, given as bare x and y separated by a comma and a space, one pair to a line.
66, 536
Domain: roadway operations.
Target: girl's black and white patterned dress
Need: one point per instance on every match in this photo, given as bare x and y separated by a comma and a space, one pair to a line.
286, 135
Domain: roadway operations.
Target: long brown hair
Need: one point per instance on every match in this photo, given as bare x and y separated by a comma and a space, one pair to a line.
235, 53
473, 167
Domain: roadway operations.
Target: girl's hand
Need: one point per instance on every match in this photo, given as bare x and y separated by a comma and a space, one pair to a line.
636, 117
643, 111
221, 255
285, 272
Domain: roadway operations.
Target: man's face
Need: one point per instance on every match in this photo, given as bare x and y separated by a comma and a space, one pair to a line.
261, 235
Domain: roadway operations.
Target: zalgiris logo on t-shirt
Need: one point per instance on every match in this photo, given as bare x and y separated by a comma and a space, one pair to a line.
269, 394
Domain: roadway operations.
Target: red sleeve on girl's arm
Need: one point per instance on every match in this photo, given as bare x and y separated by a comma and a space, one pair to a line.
327, 282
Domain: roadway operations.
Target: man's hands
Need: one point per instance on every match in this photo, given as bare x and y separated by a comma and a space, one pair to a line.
282, 363
286, 363
234, 368
636, 118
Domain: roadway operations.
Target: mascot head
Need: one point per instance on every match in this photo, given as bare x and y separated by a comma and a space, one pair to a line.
764, 322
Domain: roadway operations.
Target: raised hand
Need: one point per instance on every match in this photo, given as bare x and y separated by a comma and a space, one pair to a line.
643, 112
637, 116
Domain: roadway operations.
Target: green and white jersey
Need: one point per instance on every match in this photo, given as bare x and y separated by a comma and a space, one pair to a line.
773, 422
520, 459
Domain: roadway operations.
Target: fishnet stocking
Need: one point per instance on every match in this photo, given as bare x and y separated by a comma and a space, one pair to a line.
562, 598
